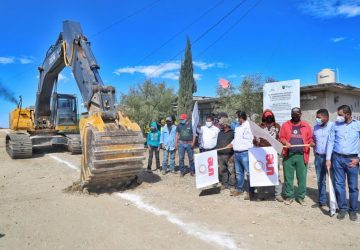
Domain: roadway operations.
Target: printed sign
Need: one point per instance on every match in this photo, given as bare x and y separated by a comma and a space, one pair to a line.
281, 97
263, 167
206, 169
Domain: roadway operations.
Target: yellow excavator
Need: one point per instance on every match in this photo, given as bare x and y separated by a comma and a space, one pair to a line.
112, 145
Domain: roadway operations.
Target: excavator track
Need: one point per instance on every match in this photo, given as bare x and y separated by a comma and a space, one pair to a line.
18, 145
74, 144
111, 159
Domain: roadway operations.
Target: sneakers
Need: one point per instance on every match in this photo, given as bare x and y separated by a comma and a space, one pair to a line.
192, 174
341, 215
173, 172
163, 172
279, 198
302, 202
353, 216
288, 201
182, 175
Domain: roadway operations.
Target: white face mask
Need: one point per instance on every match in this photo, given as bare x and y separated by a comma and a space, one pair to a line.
208, 124
340, 119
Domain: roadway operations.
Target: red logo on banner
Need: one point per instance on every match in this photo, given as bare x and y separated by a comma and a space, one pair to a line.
270, 164
210, 166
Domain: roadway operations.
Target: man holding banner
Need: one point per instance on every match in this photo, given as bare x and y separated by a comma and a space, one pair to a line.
296, 136
243, 140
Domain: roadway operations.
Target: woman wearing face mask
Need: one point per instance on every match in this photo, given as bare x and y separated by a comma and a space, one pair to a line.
209, 134
296, 132
273, 129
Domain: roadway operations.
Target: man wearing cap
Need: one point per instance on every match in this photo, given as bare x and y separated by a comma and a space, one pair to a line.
243, 140
209, 134
292, 133
167, 141
227, 175
342, 155
185, 142
270, 126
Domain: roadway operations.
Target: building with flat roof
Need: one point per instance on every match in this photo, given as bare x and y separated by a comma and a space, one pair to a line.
329, 96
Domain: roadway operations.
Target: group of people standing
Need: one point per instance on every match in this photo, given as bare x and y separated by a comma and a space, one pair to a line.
335, 145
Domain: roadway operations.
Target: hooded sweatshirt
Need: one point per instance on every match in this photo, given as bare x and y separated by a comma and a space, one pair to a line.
153, 138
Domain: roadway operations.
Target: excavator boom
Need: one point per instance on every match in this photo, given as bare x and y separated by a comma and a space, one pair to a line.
112, 145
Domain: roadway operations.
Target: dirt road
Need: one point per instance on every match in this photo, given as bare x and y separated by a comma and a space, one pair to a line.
164, 212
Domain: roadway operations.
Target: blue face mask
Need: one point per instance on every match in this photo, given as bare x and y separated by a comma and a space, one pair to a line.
318, 121
182, 121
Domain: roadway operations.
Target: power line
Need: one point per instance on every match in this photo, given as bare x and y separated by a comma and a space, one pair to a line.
207, 31
179, 32
136, 12
230, 28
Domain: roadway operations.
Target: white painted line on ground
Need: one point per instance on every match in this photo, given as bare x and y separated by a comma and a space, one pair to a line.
64, 162
219, 238
192, 229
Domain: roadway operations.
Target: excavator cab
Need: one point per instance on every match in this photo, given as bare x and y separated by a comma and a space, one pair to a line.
64, 112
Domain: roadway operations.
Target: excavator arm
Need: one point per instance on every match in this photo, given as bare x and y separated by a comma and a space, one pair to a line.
113, 150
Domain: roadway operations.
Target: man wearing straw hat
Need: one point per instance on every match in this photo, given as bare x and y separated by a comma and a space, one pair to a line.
296, 136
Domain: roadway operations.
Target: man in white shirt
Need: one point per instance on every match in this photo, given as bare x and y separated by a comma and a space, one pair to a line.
243, 140
209, 134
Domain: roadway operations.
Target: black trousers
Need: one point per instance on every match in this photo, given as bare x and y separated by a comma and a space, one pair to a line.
153, 150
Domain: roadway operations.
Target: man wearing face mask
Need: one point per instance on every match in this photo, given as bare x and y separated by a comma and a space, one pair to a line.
243, 140
167, 141
321, 135
226, 170
273, 129
185, 142
342, 155
209, 134
292, 133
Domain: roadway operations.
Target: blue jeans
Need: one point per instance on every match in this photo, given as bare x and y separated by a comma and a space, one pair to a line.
166, 154
320, 168
185, 147
241, 161
341, 172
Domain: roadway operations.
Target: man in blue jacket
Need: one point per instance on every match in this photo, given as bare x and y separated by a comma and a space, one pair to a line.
153, 142
167, 142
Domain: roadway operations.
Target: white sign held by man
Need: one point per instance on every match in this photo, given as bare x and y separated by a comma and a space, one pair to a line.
263, 167
281, 97
206, 169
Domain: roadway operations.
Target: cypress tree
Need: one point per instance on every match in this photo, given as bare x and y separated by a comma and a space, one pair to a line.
187, 84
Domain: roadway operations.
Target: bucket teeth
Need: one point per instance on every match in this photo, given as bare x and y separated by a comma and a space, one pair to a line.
113, 158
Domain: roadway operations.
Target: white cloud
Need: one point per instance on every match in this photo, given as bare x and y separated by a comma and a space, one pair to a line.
7, 60
337, 39
62, 78
232, 76
331, 8
205, 66
150, 70
171, 76
197, 77
26, 60
169, 70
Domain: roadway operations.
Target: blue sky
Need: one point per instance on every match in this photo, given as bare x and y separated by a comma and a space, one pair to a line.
283, 39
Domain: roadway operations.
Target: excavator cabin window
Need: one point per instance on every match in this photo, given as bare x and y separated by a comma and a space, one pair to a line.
67, 112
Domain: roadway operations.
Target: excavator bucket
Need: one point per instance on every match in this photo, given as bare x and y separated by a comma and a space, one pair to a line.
113, 153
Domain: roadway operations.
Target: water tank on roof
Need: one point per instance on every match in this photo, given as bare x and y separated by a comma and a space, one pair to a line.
326, 76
